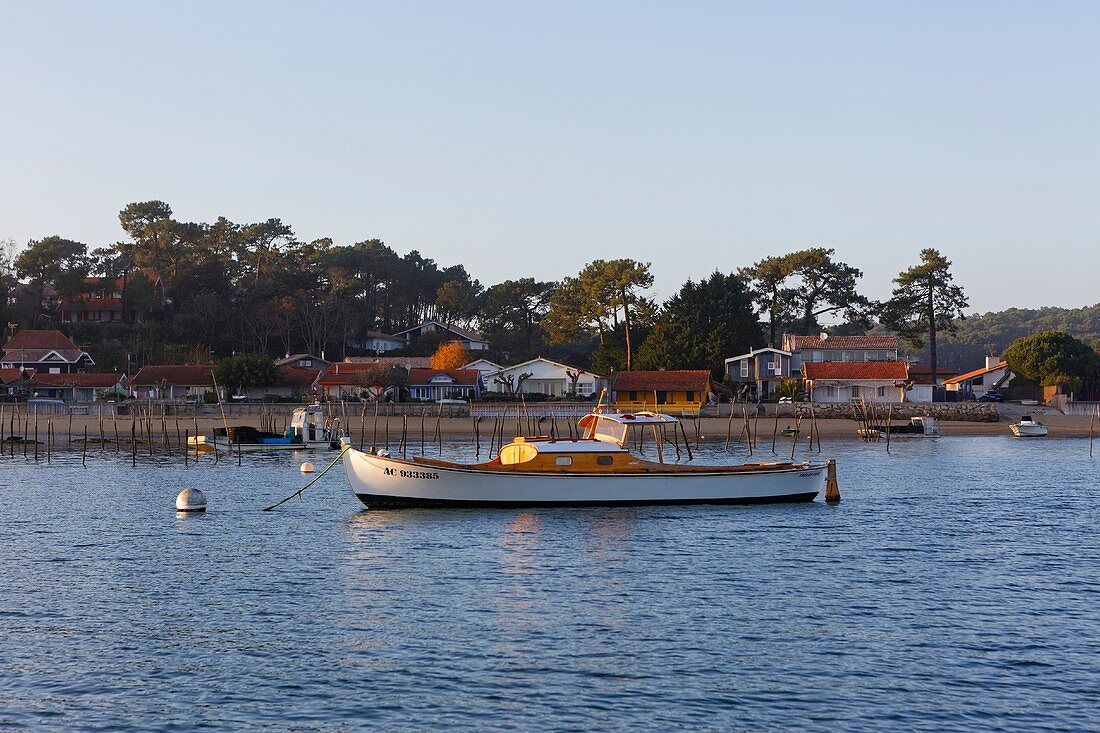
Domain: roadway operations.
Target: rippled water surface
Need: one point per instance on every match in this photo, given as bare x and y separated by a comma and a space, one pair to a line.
955, 587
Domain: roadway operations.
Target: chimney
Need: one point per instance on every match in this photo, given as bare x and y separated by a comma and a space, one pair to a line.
992, 361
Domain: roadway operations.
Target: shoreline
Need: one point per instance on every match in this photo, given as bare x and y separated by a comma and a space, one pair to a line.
710, 428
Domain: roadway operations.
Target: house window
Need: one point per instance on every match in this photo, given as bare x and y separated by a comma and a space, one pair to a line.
815, 356
307, 362
845, 356
744, 367
881, 391
584, 388
662, 397
691, 395
830, 391
633, 396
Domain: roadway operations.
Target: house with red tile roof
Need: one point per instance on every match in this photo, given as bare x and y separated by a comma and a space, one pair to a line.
881, 381
678, 390
102, 301
295, 383
436, 384
995, 375
825, 348
12, 381
351, 378
76, 388
174, 381
44, 350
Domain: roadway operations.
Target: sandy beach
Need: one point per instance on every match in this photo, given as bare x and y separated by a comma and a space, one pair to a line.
1061, 426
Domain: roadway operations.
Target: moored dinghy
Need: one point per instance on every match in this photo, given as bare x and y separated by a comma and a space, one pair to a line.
596, 469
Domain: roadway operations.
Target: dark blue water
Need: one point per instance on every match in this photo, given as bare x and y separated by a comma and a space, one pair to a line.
956, 587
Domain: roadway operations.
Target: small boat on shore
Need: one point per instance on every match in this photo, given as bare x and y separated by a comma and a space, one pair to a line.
308, 429
1028, 428
596, 469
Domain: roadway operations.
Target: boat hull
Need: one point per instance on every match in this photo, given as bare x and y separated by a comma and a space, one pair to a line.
205, 444
386, 482
1029, 431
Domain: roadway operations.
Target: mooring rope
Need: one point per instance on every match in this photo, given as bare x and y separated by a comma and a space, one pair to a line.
315, 480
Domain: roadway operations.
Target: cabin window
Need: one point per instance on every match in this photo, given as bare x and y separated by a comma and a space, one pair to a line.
691, 395
662, 397
563, 461
745, 368
604, 460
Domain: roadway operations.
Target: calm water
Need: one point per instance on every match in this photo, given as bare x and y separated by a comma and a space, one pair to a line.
957, 586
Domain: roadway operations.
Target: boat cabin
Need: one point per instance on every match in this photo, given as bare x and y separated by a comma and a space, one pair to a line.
307, 424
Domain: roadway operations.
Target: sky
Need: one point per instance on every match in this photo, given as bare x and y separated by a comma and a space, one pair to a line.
526, 139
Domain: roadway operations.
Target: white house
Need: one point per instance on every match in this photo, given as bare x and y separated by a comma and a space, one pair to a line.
880, 381
545, 376
470, 339
378, 342
485, 367
993, 376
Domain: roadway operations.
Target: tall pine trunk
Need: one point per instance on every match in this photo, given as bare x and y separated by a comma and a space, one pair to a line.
932, 339
626, 325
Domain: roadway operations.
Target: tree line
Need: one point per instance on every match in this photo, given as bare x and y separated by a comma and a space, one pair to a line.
256, 287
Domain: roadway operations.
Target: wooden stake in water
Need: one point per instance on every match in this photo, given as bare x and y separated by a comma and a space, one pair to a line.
775, 428
70, 426
794, 438
729, 424
36, 433
684, 434
84, 449
186, 456
477, 439
49, 438
889, 416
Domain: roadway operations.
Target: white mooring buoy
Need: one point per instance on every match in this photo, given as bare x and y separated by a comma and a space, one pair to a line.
307, 467
191, 500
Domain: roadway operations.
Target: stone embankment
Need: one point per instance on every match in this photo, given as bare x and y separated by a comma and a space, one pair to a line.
945, 411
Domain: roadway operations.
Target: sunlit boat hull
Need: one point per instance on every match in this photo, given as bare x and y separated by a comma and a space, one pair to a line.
391, 482
1037, 430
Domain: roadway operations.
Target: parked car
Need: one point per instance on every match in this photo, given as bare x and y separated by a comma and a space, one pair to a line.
992, 396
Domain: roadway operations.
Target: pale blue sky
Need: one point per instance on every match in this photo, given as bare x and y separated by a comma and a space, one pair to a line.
526, 139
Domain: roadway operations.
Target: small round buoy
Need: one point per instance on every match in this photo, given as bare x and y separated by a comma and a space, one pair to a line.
191, 500
307, 467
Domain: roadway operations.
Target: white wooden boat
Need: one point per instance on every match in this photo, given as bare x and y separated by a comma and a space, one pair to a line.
596, 469
1028, 428
308, 429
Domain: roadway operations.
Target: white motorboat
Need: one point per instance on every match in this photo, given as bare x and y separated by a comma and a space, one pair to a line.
308, 429
595, 469
1028, 428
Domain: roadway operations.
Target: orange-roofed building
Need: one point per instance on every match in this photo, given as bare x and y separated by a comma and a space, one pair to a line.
881, 381
664, 390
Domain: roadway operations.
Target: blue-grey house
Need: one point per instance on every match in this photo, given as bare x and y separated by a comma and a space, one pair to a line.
763, 369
